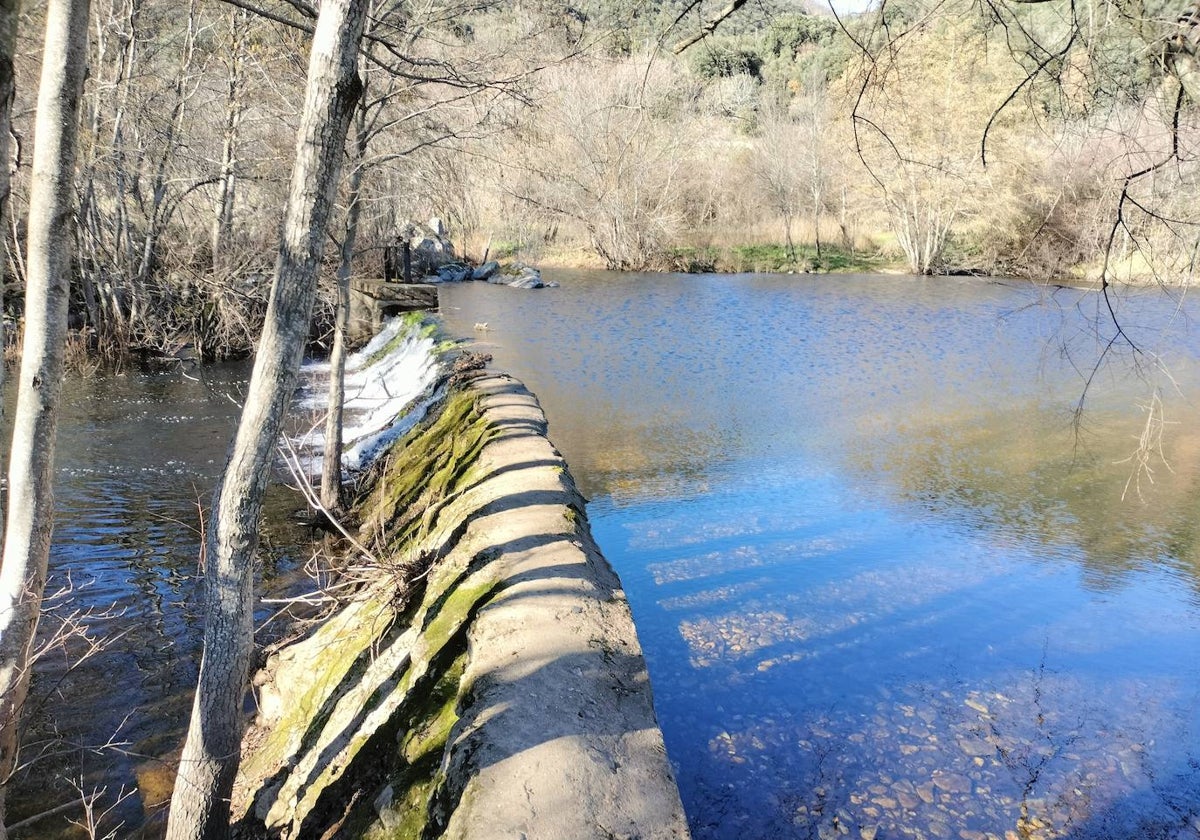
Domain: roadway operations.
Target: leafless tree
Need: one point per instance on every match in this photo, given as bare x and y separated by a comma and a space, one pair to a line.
235, 111
792, 162
10, 13
30, 513
606, 156
200, 804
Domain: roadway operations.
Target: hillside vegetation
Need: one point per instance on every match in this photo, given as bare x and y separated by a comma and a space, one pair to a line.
923, 136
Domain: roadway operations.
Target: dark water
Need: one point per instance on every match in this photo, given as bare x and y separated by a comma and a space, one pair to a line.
137, 454
889, 582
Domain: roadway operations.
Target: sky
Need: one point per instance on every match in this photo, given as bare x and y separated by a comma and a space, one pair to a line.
847, 7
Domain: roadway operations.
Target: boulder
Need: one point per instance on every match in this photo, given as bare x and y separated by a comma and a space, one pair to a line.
485, 271
517, 276
529, 278
454, 273
428, 245
527, 281
428, 253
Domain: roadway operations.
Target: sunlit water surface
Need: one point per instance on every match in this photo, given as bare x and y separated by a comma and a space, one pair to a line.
886, 584
138, 454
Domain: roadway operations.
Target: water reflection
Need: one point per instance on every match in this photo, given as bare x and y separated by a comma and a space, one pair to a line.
137, 454
886, 585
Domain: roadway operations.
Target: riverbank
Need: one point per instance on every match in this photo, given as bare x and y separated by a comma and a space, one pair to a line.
487, 681
769, 258
876, 254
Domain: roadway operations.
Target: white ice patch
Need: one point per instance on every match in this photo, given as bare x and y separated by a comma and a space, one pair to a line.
384, 398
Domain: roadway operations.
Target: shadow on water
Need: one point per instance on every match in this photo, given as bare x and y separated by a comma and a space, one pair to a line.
846, 683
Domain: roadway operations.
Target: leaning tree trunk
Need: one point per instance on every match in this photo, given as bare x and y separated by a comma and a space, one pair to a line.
200, 803
331, 460
31, 462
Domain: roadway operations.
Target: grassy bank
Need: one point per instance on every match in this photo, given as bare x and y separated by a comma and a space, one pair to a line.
775, 258
734, 259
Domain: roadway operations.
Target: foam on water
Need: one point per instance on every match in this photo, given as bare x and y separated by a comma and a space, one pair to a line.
385, 395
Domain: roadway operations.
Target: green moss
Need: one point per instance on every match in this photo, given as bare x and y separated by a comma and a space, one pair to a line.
429, 716
431, 724
419, 706
410, 812
454, 611
333, 656
422, 472
419, 775
404, 717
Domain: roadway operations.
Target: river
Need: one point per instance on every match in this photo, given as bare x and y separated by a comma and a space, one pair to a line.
889, 583
889, 580
137, 454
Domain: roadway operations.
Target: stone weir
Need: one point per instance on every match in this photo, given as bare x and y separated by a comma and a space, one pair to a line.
487, 682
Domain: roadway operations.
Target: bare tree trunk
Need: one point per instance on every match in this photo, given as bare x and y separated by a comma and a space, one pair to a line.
843, 222
331, 461
159, 214
31, 463
105, 240
817, 225
235, 109
127, 61
200, 803
10, 13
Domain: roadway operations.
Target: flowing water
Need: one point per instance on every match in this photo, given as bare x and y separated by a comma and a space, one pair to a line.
889, 580
137, 454
886, 584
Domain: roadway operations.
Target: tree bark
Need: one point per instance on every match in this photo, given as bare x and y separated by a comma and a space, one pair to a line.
10, 13
331, 461
31, 462
200, 803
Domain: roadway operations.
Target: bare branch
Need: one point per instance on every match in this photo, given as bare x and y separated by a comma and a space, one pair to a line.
708, 27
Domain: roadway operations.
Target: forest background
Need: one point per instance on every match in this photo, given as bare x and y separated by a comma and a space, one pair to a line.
1046, 140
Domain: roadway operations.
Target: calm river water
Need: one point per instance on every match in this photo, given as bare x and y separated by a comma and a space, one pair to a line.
886, 585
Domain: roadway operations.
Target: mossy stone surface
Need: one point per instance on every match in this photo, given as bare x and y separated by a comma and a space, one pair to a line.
489, 674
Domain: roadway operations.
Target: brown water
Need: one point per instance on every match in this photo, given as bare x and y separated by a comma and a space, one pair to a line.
888, 582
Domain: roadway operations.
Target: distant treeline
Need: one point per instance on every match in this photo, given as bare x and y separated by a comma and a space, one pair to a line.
1049, 140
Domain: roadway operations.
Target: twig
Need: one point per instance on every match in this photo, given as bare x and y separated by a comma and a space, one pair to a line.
292, 459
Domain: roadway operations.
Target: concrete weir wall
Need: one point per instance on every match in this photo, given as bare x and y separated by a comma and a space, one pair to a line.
500, 694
